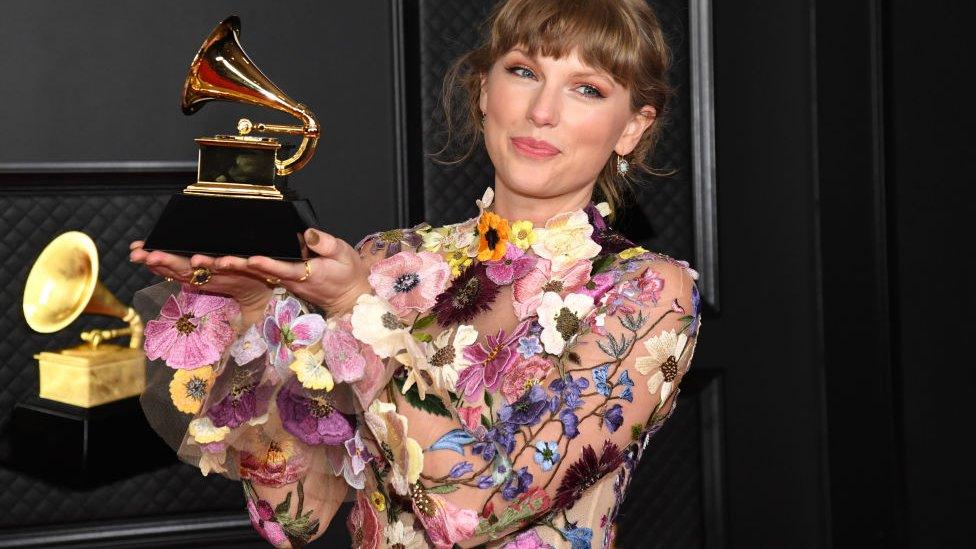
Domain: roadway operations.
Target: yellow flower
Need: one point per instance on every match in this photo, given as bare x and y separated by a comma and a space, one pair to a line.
522, 234
632, 252
407, 455
189, 387
378, 501
204, 431
458, 260
493, 233
310, 371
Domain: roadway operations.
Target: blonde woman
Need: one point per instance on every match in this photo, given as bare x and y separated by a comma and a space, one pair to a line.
490, 382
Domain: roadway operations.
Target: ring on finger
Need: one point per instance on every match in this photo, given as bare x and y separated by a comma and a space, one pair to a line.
201, 275
308, 272
274, 281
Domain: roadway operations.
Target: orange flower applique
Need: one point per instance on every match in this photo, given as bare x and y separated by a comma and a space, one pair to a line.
493, 235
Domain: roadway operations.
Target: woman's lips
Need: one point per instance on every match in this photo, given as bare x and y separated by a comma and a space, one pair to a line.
534, 148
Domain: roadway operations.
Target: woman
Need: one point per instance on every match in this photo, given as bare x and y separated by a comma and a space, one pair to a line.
493, 381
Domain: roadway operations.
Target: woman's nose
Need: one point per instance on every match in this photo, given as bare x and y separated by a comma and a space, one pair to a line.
544, 108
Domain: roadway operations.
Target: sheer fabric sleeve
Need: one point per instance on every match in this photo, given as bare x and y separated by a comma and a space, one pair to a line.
270, 404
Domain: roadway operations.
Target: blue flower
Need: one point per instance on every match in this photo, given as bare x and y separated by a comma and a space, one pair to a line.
567, 390
600, 379
546, 454
579, 537
460, 469
627, 383
570, 423
613, 418
485, 481
529, 346
517, 483
695, 309
526, 410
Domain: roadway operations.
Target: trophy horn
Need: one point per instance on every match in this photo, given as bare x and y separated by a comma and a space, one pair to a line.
63, 283
221, 70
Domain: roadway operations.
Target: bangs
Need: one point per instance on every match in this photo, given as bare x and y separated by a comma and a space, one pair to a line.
603, 36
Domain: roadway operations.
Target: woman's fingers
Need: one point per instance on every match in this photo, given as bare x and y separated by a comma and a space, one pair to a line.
323, 243
285, 270
136, 244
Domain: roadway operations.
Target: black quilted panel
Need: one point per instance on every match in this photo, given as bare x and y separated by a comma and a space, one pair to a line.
28, 223
663, 508
661, 219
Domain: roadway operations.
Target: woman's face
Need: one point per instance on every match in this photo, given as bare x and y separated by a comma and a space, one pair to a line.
551, 124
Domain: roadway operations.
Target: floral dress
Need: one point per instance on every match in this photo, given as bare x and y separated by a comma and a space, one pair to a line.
496, 388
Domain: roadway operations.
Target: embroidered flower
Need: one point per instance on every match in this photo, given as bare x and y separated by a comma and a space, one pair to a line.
664, 350
613, 418
212, 458
310, 370
189, 388
287, 330
263, 520
342, 352
585, 472
441, 360
529, 346
522, 234
363, 524
192, 329
527, 409
471, 416
579, 537
493, 234
246, 401
631, 253
470, 293
378, 501
350, 461
524, 375
599, 284
375, 324
566, 239
546, 454
249, 346
204, 431
410, 281
450, 238
560, 319
489, 362
393, 240
444, 522
527, 291
403, 453
567, 391
274, 459
460, 469
517, 483
514, 265
399, 535
312, 416
527, 540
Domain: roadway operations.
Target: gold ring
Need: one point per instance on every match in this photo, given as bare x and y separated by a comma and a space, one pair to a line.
168, 278
308, 272
201, 275
274, 281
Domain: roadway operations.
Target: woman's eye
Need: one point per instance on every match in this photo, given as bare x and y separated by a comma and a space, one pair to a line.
521, 72
590, 91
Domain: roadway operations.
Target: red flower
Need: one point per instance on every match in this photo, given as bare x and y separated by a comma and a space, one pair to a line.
586, 472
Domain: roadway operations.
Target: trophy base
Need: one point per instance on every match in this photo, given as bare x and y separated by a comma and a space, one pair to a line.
83, 447
217, 226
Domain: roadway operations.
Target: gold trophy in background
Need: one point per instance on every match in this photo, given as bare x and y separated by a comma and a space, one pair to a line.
240, 204
63, 284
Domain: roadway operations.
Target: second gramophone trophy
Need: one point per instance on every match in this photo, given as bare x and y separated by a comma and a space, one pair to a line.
240, 204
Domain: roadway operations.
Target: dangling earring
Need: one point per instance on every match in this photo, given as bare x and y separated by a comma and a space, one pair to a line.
622, 166
483, 116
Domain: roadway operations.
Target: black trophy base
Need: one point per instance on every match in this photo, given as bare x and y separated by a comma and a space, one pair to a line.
83, 447
216, 226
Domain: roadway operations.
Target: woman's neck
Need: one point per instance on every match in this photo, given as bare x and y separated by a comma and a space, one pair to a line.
515, 207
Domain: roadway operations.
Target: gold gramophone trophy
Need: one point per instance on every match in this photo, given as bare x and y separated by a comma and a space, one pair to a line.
88, 399
239, 204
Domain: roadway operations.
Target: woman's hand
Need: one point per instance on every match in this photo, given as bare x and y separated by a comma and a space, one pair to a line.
336, 277
250, 292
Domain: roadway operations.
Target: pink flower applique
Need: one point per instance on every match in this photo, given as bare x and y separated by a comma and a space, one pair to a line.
287, 330
192, 330
445, 523
248, 347
489, 363
263, 520
599, 285
523, 375
471, 416
527, 291
527, 540
513, 266
363, 524
410, 281
342, 353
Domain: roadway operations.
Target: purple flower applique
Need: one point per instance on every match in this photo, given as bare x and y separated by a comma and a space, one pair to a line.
248, 347
312, 416
192, 330
529, 346
570, 423
599, 284
527, 409
517, 483
287, 330
245, 401
489, 363
460, 469
513, 266
613, 418
567, 390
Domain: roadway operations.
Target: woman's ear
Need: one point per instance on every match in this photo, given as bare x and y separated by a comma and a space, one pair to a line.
635, 128
483, 95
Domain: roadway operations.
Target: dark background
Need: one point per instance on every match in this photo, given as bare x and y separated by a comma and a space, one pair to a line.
843, 134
